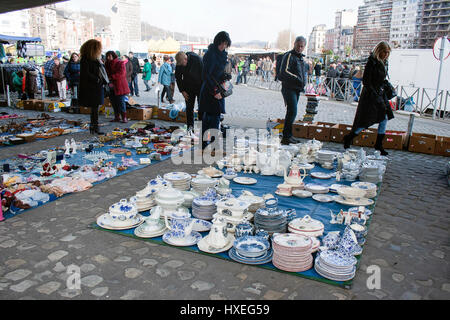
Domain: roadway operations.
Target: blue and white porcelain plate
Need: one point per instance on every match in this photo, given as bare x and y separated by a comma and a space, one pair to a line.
266, 258
251, 246
177, 176
367, 212
337, 259
188, 241
201, 225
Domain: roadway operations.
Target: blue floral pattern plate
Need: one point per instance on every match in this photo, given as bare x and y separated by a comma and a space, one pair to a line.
188, 241
251, 246
266, 258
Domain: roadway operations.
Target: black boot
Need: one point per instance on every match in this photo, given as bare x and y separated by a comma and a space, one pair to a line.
348, 139
379, 145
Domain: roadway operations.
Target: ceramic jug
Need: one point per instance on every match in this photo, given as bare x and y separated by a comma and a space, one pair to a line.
295, 176
217, 237
180, 225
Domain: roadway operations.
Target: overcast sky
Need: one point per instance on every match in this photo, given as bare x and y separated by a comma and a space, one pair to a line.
245, 20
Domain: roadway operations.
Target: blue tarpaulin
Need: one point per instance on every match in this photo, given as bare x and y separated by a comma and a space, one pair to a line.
8, 39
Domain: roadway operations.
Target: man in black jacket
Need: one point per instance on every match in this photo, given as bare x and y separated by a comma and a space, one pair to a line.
188, 74
134, 79
292, 75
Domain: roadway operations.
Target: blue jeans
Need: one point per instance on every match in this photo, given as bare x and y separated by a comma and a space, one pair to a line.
134, 89
239, 77
381, 127
290, 97
209, 121
118, 104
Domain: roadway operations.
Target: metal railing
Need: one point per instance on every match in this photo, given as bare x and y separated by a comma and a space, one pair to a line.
349, 90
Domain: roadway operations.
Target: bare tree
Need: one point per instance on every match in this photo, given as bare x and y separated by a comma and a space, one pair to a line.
283, 40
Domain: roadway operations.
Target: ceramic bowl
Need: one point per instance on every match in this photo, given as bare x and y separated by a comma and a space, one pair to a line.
350, 193
251, 246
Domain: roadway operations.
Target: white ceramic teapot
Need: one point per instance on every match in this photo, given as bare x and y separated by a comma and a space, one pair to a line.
218, 235
295, 176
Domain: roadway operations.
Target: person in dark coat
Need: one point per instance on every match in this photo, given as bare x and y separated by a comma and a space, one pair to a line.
129, 71
211, 102
293, 71
188, 74
373, 106
134, 88
118, 85
31, 75
92, 79
72, 72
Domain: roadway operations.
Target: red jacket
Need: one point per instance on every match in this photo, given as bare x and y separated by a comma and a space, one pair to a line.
117, 74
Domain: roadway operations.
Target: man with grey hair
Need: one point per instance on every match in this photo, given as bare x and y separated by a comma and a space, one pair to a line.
292, 75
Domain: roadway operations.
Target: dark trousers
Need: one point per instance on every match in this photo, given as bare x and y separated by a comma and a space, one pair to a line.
290, 97
51, 86
134, 89
168, 91
209, 121
244, 75
94, 118
118, 104
190, 107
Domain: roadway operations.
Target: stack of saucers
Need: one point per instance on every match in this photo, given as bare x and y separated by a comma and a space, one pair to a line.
335, 265
251, 250
370, 188
306, 226
179, 180
270, 218
292, 252
201, 184
205, 206
325, 156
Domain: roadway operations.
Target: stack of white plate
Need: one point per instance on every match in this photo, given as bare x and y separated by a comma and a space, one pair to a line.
316, 188
335, 266
292, 252
324, 156
201, 184
204, 208
370, 188
179, 180
255, 202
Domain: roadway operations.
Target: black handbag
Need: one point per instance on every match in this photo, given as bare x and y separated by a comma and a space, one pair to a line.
225, 88
389, 89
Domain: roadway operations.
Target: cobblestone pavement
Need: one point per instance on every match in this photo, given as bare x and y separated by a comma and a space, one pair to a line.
408, 239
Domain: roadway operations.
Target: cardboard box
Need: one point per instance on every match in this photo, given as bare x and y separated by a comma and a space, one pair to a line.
163, 114
300, 129
182, 117
367, 138
442, 146
154, 112
320, 131
85, 110
338, 131
394, 140
422, 143
29, 104
139, 114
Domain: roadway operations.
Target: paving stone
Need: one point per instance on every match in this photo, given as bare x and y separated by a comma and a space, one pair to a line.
118, 250
69, 293
241, 276
439, 254
57, 255
26, 246
148, 262
141, 251
83, 232
130, 244
76, 246
68, 238
292, 296
273, 295
186, 275
42, 264
15, 263
380, 262
132, 294
426, 283
377, 293
49, 287
39, 276
340, 296
122, 259
100, 292
252, 290
132, 273
8, 244
87, 267
59, 267
49, 245
91, 281
199, 264
162, 272
384, 235
23, 286
202, 285
4, 285
173, 264
408, 295
446, 287
397, 277
100, 259
217, 296
18, 274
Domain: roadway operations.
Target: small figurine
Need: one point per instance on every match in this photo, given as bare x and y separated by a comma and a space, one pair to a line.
67, 147
74, 146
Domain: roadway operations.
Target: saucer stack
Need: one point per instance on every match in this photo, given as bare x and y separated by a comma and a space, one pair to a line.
204, 208
370, 188
271, 219
251, 250
179, 180
292, 252
201, 184
325, 156
335, 266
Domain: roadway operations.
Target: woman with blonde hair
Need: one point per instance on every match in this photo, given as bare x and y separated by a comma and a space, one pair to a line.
373, 106
93, 77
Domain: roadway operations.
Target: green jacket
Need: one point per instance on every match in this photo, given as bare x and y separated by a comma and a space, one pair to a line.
240, 66
147, 71
17, 82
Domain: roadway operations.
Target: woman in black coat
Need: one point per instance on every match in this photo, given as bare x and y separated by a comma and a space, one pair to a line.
211, 102
373, 106
92, 79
